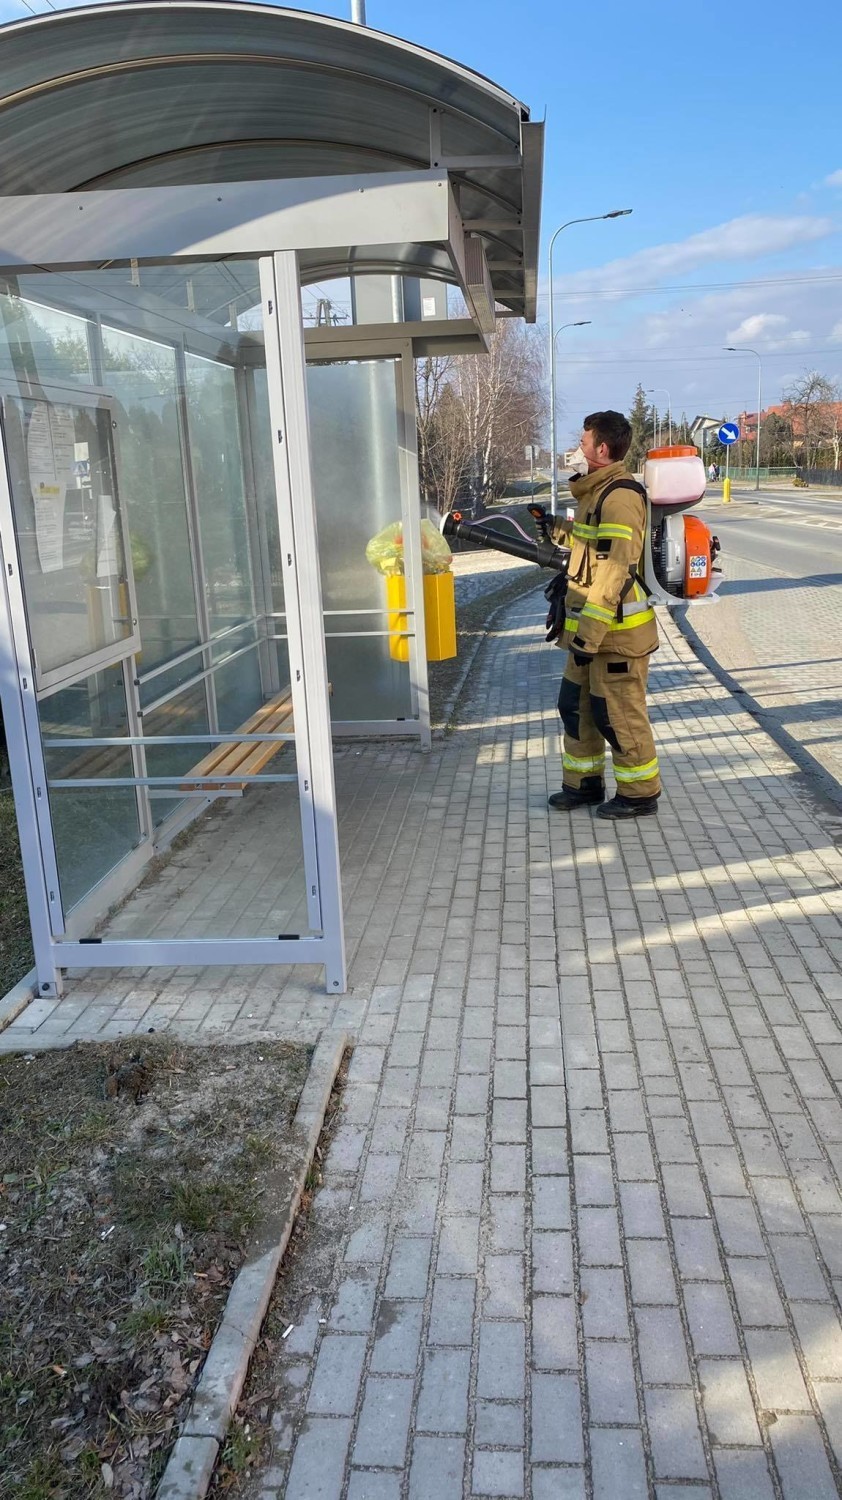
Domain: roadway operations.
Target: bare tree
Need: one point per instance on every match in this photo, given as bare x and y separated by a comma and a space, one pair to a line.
836, 438
812, 399
437, 455
477, 413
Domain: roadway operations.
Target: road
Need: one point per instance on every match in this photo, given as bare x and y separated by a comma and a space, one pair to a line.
778, 626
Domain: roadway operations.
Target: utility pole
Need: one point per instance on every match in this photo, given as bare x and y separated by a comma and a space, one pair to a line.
659, 390
730, 349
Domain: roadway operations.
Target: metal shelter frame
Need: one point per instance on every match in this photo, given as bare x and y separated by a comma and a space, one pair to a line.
297, 229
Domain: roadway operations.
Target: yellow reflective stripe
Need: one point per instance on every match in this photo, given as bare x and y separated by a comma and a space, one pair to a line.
642, 618
613, 528
583, 532
596, 612
583, 763
571, 624
637, 773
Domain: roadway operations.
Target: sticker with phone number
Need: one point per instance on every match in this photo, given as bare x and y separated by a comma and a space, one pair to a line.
698, 567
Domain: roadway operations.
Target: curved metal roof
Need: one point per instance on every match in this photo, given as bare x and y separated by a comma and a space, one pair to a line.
167, 92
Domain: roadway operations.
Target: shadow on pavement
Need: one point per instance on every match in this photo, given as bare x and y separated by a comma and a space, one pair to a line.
768, 585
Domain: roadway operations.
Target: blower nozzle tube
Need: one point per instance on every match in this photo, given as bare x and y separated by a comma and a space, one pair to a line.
544, 553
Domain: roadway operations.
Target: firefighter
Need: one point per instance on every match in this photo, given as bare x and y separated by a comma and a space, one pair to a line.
609, 633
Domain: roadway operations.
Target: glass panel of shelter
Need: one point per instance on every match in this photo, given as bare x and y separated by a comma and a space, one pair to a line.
355, 424
354, 409
143, 402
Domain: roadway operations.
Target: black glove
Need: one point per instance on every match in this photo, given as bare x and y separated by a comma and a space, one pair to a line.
554, 594
582, 658
543, 519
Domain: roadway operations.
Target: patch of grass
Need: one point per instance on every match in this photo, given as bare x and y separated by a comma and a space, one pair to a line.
164, 1267
45, 1479
16, 957
124, 1227
201, 1205
240, 1450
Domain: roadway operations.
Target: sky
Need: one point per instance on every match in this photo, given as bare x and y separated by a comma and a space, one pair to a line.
719, 125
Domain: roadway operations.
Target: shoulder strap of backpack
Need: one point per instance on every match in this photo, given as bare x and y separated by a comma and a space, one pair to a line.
617, 484
634, 576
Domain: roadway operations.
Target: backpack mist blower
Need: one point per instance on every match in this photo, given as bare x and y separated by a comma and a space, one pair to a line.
679, 551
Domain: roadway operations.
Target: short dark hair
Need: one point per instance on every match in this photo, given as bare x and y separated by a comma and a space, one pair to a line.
611, 428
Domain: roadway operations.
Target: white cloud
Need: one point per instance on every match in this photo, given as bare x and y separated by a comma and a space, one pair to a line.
768, 330
834, 180
757, 326
745, 238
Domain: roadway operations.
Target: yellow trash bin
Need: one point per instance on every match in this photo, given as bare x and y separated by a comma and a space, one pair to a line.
439, 615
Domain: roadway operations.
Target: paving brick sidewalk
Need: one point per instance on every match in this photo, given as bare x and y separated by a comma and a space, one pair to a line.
585, 1195
780, 638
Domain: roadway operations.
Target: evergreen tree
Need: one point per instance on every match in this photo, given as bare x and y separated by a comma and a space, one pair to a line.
641, 417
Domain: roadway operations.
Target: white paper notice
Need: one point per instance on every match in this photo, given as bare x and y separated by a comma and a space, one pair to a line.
106, 559
63, 434
49, 526
50, 452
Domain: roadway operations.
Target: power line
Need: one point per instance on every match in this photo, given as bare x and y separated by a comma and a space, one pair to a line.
694, 286
647, 351
692, 359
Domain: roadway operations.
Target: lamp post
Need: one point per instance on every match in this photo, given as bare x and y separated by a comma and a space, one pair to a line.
730, 349
659, 390
582, 323
616, 213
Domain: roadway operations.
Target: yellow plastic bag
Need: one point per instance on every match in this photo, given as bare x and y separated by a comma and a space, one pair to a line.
385, 550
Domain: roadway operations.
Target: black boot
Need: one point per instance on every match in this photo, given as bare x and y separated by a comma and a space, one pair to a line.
629, 807
587, 794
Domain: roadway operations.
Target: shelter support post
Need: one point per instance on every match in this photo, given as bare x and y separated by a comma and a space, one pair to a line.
17, 695
286, 377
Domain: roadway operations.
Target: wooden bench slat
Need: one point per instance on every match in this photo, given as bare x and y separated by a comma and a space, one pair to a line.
231, 758
260, 723
258, 756
234, 757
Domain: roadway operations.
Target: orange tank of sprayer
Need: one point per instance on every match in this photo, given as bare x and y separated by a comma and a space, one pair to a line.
679, 552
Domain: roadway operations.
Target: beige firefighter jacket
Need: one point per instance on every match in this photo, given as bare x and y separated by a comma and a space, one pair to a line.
606, 609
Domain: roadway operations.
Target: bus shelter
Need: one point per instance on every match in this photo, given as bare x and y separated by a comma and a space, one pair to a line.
190, 476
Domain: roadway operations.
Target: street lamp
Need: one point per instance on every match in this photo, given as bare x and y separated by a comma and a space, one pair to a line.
729, 349
660, 390
616, 213
583, 323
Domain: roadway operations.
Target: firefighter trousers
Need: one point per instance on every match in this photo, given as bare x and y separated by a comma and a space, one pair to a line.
605, 702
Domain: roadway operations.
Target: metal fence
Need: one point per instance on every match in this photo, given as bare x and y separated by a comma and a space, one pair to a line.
765, 473
822, 476
812, 476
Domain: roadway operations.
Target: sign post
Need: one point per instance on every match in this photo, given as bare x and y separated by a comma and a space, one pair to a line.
530, 454
728, 433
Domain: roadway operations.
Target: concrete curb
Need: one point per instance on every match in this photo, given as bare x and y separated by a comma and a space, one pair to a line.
191, 1463
449, 708
17, 999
